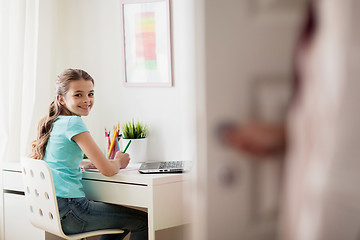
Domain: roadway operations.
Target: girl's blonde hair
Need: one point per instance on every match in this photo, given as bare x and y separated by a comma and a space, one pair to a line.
55, 110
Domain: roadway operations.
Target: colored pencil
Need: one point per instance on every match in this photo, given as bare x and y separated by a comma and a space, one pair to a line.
112, 143
127, 146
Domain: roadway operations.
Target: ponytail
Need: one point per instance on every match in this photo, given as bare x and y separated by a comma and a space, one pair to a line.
44, 129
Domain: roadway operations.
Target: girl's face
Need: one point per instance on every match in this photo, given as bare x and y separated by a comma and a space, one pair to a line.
80, 97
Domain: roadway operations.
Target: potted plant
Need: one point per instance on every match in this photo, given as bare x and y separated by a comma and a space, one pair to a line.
134, 140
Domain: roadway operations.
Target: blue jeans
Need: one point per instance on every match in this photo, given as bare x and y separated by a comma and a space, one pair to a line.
79, 215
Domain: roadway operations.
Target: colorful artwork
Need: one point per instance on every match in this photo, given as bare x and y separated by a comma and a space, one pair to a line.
145, 40
147, 46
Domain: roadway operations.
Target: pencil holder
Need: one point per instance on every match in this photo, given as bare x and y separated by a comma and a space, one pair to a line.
112, 148
137, 150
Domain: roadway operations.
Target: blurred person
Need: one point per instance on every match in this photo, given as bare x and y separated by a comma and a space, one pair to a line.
320, 135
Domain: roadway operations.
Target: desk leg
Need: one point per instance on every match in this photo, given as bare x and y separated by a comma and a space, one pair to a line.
151, 223
165, 208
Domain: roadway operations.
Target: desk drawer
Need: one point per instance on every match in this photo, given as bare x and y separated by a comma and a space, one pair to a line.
13, 181
117, 193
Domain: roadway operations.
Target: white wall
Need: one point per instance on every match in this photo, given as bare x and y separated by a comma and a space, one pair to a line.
88, 36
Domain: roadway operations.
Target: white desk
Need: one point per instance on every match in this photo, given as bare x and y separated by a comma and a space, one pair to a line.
161, 194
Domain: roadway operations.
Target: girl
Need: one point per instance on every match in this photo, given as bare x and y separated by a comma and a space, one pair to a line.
61, 141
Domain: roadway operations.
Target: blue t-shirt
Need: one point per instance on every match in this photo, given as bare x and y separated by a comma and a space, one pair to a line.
64, 156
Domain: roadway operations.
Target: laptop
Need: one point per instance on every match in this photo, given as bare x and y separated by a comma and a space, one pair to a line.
165, 167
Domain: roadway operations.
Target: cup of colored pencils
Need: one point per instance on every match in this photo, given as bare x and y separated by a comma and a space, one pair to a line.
112, 140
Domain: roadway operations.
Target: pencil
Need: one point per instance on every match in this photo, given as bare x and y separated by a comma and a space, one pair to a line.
127, 146
107, 135
117, 142
112, 143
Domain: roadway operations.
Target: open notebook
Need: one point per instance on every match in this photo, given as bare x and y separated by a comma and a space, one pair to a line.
165, 167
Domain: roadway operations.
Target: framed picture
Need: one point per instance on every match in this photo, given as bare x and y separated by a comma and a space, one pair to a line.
146, 42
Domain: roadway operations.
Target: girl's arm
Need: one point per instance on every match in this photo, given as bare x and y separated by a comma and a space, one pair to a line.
93, 152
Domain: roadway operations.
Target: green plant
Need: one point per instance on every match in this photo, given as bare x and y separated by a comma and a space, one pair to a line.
134, 130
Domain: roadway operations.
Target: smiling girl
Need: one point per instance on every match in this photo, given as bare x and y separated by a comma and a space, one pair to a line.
62, 139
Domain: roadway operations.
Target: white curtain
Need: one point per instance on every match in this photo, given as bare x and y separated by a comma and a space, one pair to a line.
25, 65
18, 63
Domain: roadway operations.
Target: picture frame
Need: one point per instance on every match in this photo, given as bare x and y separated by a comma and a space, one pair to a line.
146, 34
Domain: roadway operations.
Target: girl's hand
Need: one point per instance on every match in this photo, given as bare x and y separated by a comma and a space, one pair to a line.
85, 164
122, 158
90, 148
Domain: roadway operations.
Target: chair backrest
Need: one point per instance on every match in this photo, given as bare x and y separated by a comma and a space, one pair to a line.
41, 203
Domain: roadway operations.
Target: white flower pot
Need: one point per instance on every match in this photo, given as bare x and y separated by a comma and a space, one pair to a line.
137, 149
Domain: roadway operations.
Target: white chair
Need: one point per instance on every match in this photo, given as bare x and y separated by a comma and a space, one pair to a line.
41, 203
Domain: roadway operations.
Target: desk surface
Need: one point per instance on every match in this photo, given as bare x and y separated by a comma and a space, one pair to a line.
132, 176
129, 175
